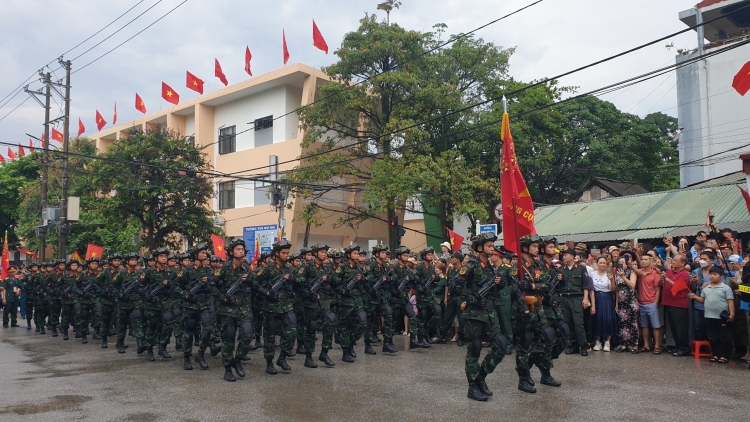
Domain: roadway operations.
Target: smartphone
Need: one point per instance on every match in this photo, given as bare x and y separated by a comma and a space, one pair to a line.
711, 218
619, 267
627, 259
595, 251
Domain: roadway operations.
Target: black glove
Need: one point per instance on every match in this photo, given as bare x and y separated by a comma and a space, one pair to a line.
273, 295
525, 285
230, 301
480, 302
526, 319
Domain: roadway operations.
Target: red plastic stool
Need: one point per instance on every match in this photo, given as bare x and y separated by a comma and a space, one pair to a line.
697, 345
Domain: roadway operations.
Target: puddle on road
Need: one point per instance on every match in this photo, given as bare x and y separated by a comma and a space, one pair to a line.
56, 404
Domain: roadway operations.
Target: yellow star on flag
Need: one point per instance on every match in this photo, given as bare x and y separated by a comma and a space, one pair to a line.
195, 83
221, 248
142, 104
93, 254
169, 93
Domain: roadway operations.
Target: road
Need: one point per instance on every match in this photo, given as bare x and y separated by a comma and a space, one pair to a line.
47, 379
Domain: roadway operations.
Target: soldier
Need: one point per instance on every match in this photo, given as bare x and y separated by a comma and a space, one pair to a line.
573, 297
185, 260
352, 320
11, 300
85, 286
299, 262
158, 282
480, 319
257, 305
378, 296
403, 277
551, 302
194, 289
430, 312
129, 301
108, 286
172, 262
29, 286
150, 261
453, 307
69, 298
55, 284
275, 283
314, 285
41, 300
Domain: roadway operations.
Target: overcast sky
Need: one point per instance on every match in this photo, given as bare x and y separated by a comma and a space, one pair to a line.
550, 38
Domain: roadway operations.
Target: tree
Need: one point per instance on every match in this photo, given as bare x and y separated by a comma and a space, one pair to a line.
17, 178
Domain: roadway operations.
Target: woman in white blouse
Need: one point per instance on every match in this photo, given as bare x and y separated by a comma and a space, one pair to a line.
603, 305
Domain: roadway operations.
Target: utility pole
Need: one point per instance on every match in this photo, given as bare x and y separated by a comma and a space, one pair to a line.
64, 228
279, 192
42, 231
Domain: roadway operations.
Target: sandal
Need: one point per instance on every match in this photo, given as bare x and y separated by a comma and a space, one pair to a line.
657, 350
643, 350
713, 359
722, 360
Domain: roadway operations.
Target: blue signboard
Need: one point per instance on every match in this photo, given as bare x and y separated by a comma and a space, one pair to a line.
488, 228
261, 237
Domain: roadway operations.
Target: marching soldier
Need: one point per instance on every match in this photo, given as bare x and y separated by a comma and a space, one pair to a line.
30, 287
158, 282
129, 305
41, 300
352, 319
314, 283
69, 299
55, 284
11, 299
430, 312
110, 283
551, 302
85, 288
378, 297
453, 307
403, 278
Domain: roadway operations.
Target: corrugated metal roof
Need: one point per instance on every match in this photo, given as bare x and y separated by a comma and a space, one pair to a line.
648, 233
736, 177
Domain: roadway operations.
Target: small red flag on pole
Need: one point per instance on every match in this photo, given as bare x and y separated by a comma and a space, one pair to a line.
57, 135
456, 240
21, 152
194, 83
741, 81
114, 118
31, 146
219, 73
318, 41
169, 94
139, 104
100, 122
218, 243
81, 127
286, 50
11, 154
248, 57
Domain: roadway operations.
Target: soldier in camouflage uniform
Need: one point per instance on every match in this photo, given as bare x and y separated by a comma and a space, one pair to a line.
197, 319
301, 261
551, 302
316, 306
215, 344
158, 328
480, 319
107, 289
453, 307
378, 296
85, 289
403, 279
55, 284
129, 306
278, 307
69, 296
29, 286
41, 299
351, 315
430, 312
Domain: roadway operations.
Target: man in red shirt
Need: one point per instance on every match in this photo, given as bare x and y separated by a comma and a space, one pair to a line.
648, 298
674, 295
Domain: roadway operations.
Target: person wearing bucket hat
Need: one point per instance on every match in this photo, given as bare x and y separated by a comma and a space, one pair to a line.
11, 299
446, 250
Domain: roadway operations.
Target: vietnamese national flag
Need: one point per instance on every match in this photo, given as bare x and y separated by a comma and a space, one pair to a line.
518, 210
456, 240
6, 259
139, 104
256, 254
100, 122
218, 243
741, 81
94, 251
318, 40
114, 118
81, 127
248, 57
31, 146
169, 94
57, 135
21, 152
29, 253
11, 154
747, 198
2, 159
194, 83
219, 73
286, 50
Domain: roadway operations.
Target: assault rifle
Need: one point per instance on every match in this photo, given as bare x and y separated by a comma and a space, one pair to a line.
402, 284
379, 283
130, 287
485, 286
317, 284
352, 282
161, 286
88, 287
430, 279
236, 287
278, 283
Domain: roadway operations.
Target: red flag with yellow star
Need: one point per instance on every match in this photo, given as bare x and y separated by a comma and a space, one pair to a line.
139, 104
169, 94
218, 243
94, 251
5, 258
57, 135
193, 82
114, 118
456, 240
741, 81
81, 128
100, 122
518, 210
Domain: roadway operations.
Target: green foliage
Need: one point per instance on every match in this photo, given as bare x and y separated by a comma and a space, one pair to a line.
17, 177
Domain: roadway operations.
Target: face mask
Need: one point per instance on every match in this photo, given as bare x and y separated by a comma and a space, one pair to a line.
703, 264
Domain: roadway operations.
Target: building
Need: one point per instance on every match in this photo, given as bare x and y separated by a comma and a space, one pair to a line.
235, 126
712, 116
601, 187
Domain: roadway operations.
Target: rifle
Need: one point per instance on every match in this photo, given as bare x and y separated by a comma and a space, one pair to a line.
485, 286
198, 286
316, 285
235, 288
161, 286
88, 287
402, 284
430, 279
278, 283
377, 285
130, 287
351, 283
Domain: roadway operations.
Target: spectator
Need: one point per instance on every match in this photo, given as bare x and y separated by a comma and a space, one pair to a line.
614, 253
446, 248
718, 300
648, 298
626, 307
700, 279
700, 242
603, 305
670, 250
674, 297
740, 326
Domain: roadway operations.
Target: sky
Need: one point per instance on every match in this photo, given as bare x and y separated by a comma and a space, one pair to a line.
550, 38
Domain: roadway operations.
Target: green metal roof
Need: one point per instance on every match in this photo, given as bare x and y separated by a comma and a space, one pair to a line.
647, 216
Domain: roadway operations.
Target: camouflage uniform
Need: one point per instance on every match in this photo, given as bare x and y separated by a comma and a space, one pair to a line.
158, 331
69, 299
377, 303
85, 290
107, 290
29, 286
55, 284
430, 312
316, 309
41, 302
453, 308
236, 316
197, 320
130, 309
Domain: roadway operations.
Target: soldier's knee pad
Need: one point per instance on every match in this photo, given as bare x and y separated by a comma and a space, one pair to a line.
330, 319
312, 326
290, 319
98, 307
564, 329
229, 332
387, 311
272, 324
246, 328
362, 317
528, 339
167, 316
176, 313
207, 319
190, 325
409, 310
547, 334
136, 315
437, 310
500, 342
475, 347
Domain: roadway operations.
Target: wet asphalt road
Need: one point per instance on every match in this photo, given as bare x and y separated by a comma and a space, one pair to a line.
45, 379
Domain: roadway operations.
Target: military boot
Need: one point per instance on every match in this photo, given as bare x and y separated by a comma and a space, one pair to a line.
150, 354
301, 350
178, 346
64, 333
347, 357
78, 334
54, 331
163, 352
238, 368
228, 374
244, 358
36, 330
388, 347
352, 353
425, 342
547, 379
281, 361
375, 339
475, 393
104, 342
96, 336
270, 369
525, 386
141, 347
41, 329
482, 385
84, 340
199, 359
325, 359
120, 347
28, 325
215, 349
309, 363
415, 344
257, 344
369, 350
186, 365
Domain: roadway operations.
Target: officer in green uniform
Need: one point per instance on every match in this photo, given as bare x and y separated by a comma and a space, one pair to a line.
130, 298
55, 284
69, 298
430, 312
378, 297
215, 344
299, 309
573, 297
85, 288
41, 299
275, 283
11, 299
403, 280
480, 319
175, 302
551, 302
351, 315
313, 285
29, 286
503, 301
107, 289
453, 308
158, 282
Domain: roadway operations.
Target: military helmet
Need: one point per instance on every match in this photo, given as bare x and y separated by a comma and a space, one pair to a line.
304, 251
33, 264
132, 255
60, 261
336, 253
236, 242
351, 248
115, 256
71, 262
92, 259
216, 258
172, 256
184, 256
104, 262
161, 251
263, 256
149, 257
201, 247
320, 246
379, 248
426, 251
402, 250
529, 239
477, 241
546, 240
280, 245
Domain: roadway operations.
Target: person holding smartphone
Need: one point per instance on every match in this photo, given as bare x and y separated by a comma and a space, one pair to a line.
603, 305
718, 299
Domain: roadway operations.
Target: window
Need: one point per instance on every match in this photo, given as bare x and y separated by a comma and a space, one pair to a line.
190, 140
262, 136
226, 195
227, 140
261, 193
263, 123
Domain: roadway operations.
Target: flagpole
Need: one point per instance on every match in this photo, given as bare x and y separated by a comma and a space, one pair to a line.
515, 220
